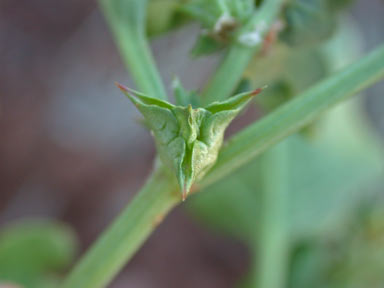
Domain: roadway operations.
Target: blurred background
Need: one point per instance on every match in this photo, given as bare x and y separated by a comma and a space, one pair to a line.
71, 148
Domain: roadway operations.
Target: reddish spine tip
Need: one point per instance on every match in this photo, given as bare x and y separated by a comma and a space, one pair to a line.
121, 87
257, 91
184, 195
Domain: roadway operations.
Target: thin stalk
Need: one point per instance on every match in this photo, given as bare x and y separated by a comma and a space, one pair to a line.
297, 113
237, 58
272, 239
126, 234
127, 22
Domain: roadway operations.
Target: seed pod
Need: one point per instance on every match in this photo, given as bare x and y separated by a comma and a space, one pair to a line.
188, 140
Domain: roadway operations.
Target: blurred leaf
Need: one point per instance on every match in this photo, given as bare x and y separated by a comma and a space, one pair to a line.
230, 206
352, 258
33, 251
161, 15
241, 9
337, 169
219, 20
341, 157
243, 86
276, 94
291, 69
287, 72
336, 54
309, 262
307, 22
184, 97
206, 12
205, 44
327, 178
165, 15
338, 4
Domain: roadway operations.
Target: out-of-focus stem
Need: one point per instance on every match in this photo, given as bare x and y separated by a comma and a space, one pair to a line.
272, 238
127, 22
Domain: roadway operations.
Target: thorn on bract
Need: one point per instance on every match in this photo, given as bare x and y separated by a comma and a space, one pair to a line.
258, 90
122, 87
185, 192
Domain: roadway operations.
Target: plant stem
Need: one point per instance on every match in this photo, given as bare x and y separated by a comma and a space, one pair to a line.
231, 69
120, 241
223, 6
127, 22
272, 238
297, 113
127, 233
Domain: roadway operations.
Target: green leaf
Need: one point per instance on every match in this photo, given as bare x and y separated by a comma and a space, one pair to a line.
206, 12
182, 96
351, 257
34, 250
338, 4
288, 71
220, 20
162, 16
307, 22
231, 69
297, 113
336, 165
188, 140
205, 45
209, 12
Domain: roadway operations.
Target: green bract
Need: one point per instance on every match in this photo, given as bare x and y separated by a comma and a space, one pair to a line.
219, 19
187, 139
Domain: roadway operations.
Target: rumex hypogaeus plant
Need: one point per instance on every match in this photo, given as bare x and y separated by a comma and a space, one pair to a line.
189, 139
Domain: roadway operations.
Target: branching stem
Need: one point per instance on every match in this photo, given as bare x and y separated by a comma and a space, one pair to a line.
129, 231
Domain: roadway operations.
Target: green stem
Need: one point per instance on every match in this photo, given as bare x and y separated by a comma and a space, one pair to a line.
127, 22
223, 6
236, 60
272, 238
126, 235
297, 113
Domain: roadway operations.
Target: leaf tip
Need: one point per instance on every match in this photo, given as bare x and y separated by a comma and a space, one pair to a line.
122, 87
258, 90
185, 187
184, 194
